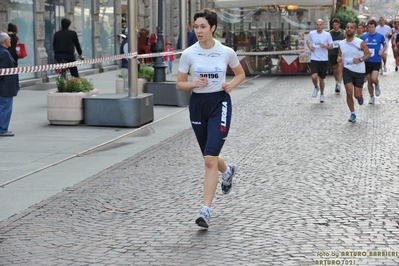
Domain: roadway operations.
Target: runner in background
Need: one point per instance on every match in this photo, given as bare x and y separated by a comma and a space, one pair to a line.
394, 41
319, 42
386, 31
359, 30
337, 35
377, 46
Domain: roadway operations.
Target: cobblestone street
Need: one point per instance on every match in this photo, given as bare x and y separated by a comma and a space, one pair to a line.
311, 189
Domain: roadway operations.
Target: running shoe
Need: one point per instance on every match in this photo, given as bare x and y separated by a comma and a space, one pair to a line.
352, 118
381, 72
372, 100
360, 101
322, 98
227, 184
377, 90
337, 88
385, 68
315, 91
204, 219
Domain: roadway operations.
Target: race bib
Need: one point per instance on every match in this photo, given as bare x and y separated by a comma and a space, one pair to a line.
336, 44
214, 74
348, 62
316, 45
372, 51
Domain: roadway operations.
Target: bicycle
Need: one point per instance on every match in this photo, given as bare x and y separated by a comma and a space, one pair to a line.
62, 72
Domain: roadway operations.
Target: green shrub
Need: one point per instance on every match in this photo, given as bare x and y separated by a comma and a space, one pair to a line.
86, 85
74, 85
346, 15
61, 84
146, 72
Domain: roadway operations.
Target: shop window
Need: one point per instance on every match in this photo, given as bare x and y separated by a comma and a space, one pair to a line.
270, 29
107, 30
83, 27
21, 14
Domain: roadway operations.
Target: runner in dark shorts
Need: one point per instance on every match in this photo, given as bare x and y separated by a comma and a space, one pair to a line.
370, 67
319, 67
357, 79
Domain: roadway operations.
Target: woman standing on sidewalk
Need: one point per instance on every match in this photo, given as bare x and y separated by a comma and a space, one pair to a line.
210, 103
12, 32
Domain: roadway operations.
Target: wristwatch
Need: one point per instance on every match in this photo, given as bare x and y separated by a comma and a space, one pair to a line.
361, 59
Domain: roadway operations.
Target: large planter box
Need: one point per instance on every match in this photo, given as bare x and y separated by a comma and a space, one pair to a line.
66, 108
117, 110
165, 93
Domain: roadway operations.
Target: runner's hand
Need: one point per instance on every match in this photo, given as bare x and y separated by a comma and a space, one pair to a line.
201, 82
227, 87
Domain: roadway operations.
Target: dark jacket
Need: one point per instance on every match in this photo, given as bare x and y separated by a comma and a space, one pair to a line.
65, 41
11, 49
125, 63
191, 39
9, 84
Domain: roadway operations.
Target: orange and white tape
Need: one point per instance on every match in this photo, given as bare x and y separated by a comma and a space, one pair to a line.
40, 68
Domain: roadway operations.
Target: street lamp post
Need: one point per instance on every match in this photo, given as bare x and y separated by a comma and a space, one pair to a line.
159, 65
165, 92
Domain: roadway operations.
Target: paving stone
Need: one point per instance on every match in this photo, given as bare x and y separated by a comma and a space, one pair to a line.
308, 181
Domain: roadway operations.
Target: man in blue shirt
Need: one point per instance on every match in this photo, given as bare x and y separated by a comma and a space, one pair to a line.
374, 42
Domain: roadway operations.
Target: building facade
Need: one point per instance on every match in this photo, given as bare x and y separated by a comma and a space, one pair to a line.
97, 22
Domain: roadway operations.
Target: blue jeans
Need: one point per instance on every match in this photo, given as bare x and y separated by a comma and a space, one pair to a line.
168, 67
67, 58
5, 113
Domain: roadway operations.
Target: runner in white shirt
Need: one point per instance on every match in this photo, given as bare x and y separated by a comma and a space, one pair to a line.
352, 53
319, 42
210, 103
386, 31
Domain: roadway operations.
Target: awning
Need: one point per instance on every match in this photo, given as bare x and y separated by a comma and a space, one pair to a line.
260, 3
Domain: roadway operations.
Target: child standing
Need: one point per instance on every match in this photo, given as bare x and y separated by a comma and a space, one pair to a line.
169, 58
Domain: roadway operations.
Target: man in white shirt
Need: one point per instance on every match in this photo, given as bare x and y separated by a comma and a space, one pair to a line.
352, 53
319, 42
386, 31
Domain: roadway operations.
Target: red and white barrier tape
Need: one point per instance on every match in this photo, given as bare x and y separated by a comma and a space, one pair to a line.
40, 68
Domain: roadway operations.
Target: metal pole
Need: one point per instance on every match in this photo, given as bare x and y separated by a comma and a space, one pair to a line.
132, 47
159, 65
183, 21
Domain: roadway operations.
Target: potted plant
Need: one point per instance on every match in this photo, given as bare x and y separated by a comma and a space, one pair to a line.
144, 32
65, 106
146, 74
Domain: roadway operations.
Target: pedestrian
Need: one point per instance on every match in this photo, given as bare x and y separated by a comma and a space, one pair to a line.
386, 31
352, 53
9, 85
64, 43
12, 32
124, 49
191, 38
319, 42
153, 41
337, 35
359, 30
210, 103
169, 58
377, 45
